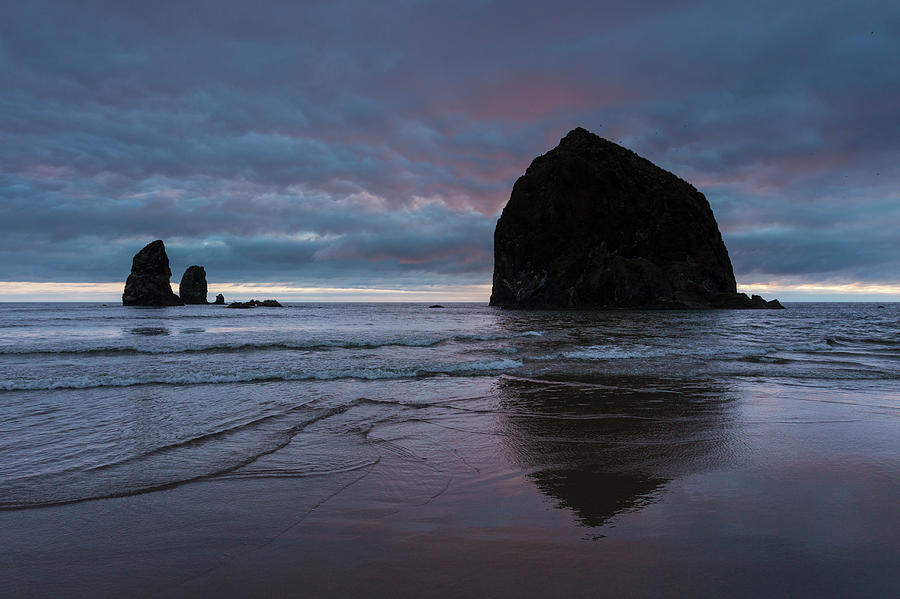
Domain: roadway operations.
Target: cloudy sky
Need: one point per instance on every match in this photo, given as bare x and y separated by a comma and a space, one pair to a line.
365, 149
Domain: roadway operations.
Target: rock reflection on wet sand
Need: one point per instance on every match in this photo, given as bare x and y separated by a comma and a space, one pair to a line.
600, 448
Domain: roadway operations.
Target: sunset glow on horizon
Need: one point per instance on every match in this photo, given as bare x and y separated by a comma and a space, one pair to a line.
23, 291
12, 291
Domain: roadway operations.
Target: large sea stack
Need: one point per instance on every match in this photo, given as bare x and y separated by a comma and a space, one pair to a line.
192, 288
593, 225
148, 283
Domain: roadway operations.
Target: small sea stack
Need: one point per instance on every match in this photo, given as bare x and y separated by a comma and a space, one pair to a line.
148, 284
593, 225
192, 289
220, 299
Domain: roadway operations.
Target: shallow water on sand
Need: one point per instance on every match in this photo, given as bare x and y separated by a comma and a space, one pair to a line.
395, 450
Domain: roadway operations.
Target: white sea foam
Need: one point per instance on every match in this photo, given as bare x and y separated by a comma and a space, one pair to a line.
612, 352
624, 352
481, 366
248, 375
198, 343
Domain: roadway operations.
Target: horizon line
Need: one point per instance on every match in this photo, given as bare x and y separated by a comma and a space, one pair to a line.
42, 291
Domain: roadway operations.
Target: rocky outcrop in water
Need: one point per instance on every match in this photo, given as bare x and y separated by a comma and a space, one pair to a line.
220, 299
593, 225
269, 303
192, 289
148, 284
740, 300
241, 305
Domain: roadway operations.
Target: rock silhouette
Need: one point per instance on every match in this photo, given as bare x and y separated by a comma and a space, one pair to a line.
593, 225
269, 303
148, 283
192, 289
220, 299
241, 305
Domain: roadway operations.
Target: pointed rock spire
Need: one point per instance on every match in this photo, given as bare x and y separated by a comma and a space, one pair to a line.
148, 284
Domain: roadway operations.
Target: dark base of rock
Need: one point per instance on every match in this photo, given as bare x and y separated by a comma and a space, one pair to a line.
721, 301
151, 299
269, 303
435, 306
740, 300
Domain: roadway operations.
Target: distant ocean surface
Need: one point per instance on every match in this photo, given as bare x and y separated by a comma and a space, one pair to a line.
723, 428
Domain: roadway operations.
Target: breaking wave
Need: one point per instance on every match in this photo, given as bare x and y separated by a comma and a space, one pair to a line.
89, 381
225, 347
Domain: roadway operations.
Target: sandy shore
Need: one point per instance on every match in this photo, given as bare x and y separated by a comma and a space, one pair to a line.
464, 507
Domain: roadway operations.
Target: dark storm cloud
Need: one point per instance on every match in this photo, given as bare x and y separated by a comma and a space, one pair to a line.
376, 142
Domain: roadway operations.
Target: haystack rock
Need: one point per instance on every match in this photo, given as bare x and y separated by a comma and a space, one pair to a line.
593, 225
193, 285
148, 283
220, 299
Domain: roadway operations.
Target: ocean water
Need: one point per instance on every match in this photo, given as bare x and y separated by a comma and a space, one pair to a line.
660, 453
